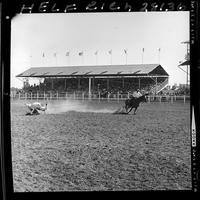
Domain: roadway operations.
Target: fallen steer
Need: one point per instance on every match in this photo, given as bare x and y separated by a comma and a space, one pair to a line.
35, 108
34, 112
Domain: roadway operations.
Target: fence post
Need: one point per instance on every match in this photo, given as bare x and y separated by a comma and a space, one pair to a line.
184, 98
83, 96
160, 99
37, 96
108, 96
171, 99
118, 97
57, 95
175, 98
128, 95
99, 96
66, 95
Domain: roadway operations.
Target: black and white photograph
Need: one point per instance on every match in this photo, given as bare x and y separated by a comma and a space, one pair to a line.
100, 101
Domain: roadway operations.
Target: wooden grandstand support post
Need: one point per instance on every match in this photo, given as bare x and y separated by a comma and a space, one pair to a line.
79, 80
139, 83
107, 84
156, 86
66, 83
52, 84
89, 88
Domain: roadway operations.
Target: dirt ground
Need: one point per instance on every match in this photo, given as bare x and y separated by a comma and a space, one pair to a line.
87, 148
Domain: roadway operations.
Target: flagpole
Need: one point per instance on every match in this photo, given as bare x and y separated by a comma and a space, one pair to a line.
125, 51
43, 55
31, 60
159, 56
110, 52
69, 60
81, 54
142, 55
55, 55
68, 55
82, 59
96, 54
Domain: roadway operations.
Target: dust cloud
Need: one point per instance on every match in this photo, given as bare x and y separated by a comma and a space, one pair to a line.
77, 106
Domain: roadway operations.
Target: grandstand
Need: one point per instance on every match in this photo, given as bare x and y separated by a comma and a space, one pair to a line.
101, 79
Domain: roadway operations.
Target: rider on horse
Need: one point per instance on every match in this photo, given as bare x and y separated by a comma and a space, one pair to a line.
136, 94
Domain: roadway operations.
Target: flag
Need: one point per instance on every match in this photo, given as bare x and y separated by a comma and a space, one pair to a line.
43, 55
80, 53
67, 54
96, 53
110, 52
125, 51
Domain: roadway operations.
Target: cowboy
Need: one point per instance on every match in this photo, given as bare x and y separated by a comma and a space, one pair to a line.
137, 94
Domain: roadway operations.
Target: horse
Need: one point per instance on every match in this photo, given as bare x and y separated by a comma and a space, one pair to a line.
134, 103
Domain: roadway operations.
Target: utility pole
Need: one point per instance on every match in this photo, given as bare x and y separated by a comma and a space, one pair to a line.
187, 59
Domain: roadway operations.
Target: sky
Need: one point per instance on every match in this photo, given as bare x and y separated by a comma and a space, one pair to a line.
43, 40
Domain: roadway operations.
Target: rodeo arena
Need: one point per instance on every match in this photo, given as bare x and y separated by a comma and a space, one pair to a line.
76, 131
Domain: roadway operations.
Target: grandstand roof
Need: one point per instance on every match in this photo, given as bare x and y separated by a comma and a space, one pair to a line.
187, 62
99, 70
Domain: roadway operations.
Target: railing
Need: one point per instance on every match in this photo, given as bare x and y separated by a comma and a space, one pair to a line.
160, 87
94, 96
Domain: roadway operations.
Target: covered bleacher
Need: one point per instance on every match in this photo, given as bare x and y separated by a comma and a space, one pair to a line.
102, 79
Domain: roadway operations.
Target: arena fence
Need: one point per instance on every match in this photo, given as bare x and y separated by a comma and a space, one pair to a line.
95, 96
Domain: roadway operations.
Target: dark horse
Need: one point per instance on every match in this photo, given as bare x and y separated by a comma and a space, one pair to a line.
134, 103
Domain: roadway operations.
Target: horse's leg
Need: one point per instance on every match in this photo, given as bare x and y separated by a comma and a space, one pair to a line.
135, 110
130, 110
126, 107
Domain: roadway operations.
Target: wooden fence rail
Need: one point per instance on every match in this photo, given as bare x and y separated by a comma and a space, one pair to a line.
85, 96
